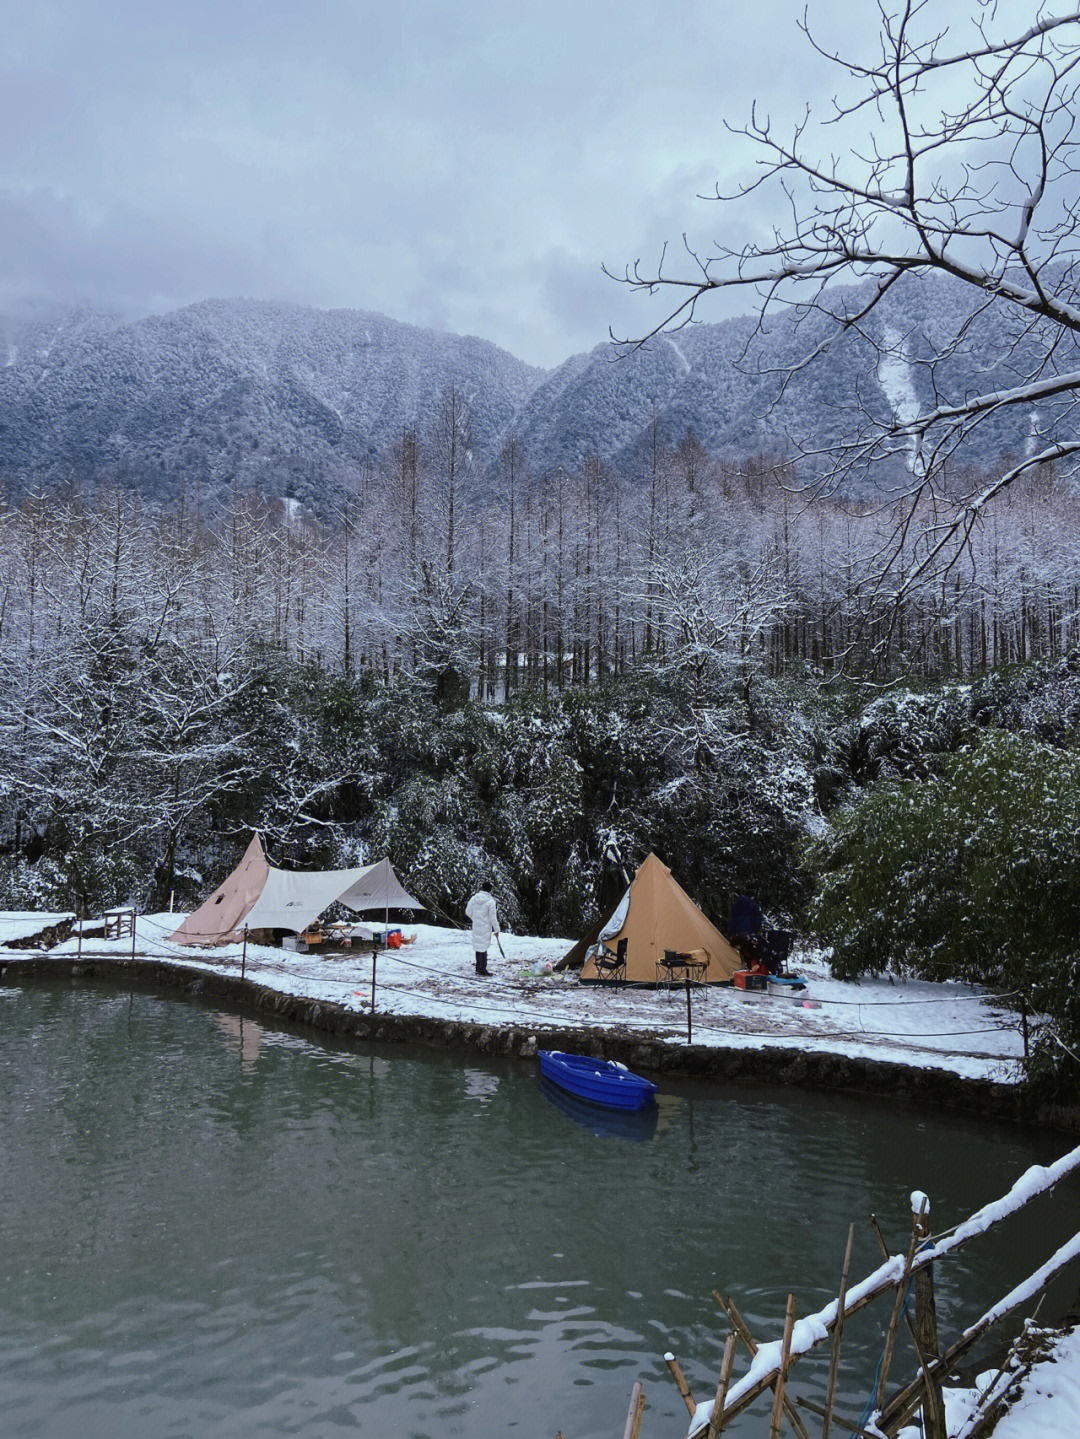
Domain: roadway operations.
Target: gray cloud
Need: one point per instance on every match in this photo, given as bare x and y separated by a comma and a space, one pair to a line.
467, 166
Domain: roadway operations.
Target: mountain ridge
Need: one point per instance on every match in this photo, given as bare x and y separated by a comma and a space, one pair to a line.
281, 397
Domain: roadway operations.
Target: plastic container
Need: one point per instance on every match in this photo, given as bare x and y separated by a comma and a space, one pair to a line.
786, 986
749, 982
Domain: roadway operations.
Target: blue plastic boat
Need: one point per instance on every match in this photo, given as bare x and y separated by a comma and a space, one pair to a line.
600, 1081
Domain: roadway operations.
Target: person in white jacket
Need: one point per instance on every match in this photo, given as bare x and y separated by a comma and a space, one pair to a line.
485, 922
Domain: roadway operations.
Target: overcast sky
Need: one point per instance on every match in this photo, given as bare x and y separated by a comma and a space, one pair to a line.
466, 166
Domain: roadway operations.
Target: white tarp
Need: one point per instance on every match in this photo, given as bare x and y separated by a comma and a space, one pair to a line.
379, 888
258, 896
617, 920
291, 899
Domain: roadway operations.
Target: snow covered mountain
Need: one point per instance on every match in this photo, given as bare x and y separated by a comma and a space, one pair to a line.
270, 395
735, 388
281, 397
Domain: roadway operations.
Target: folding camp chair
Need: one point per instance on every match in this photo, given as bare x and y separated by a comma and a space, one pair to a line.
612, 966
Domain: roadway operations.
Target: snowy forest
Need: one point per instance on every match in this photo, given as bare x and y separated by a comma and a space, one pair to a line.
692, 658
830, 651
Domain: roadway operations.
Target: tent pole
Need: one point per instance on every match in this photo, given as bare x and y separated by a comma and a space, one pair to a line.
243, 957
689, 1021
374, 961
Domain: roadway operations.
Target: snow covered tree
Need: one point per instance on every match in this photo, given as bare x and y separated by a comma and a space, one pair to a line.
973, 873
950, 152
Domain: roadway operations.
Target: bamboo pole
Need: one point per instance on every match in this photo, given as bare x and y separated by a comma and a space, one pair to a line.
742, 1329
634, 1413
934, 1405
924, 1329
716, 1418
785, 1360
894, 1320
904, 1403
834, 1362
684, 1388
925, 1309
1035, 1181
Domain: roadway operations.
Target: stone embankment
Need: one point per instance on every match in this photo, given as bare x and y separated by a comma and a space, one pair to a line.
882, 1079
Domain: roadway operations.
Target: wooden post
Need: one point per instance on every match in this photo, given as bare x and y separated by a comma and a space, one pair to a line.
78, 947
1024, 1026
742, 1330
834, 1362
634, 1413
894, 1322
781, 1379
925, 1330
684, 1388
716, 1418
243, 956
133, 931
689, 1020
934, 1403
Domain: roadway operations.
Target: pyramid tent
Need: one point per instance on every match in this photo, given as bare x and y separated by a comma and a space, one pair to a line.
655, 914
217, 920
258, 896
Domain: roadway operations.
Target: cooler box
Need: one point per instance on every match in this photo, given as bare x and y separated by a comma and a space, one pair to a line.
747, 980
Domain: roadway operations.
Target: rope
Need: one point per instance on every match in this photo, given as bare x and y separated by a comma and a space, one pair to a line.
257, 962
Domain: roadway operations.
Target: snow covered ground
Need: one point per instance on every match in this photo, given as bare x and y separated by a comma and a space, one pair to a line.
1046, 1405
1049, 1404
952, 1027
16, 924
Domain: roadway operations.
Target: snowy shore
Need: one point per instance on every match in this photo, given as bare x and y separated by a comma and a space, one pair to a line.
949, 1027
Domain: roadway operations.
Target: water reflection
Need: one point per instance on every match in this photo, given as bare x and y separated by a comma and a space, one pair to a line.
481, 1086
245, 1037
605, 1123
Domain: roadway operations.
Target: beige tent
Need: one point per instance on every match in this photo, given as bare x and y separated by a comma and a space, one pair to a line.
655, 914
258, 896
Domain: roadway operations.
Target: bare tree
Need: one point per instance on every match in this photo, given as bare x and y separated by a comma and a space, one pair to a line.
943, 154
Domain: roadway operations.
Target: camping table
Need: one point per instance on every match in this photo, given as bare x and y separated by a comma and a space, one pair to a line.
679, 967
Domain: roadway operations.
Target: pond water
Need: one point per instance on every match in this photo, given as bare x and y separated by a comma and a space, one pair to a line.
215, 1228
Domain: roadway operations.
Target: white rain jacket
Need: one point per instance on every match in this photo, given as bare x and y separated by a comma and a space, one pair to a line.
485, 922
